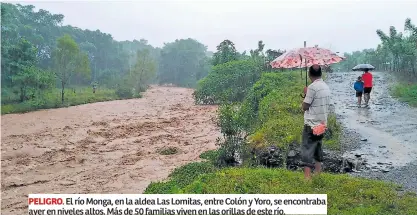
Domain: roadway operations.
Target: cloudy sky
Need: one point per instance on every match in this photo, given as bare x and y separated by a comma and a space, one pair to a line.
340, 25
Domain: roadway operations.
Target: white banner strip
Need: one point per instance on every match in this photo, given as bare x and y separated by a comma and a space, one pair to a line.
160, 204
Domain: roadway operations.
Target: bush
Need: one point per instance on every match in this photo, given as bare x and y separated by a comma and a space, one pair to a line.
228, 82
229, 121
210, 155
181, 177
124, 92
286, 84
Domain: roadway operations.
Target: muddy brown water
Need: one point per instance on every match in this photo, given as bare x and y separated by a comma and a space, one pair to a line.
389, 126
107, 147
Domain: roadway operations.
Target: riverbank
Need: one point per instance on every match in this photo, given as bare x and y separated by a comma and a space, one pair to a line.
403, 88
73, 97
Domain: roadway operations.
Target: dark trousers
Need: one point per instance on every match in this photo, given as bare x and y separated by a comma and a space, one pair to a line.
311, 147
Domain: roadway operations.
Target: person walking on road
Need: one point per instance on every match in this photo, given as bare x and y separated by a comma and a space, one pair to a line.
367, 83
316, 107
358, 86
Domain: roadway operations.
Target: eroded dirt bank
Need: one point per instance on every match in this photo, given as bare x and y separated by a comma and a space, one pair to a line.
108, 147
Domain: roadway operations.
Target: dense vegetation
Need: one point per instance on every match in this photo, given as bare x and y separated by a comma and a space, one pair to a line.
397, 53
47, 65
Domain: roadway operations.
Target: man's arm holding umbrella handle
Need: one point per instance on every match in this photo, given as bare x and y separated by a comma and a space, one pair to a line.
308, 99
304, 94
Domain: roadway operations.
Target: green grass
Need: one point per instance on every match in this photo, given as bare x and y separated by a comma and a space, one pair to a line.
210, 155
53, 100
274, 106
335, 128
181, 177
406, 92
346, 195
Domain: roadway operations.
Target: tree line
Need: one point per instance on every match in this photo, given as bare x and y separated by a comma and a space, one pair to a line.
397, 52
40, 54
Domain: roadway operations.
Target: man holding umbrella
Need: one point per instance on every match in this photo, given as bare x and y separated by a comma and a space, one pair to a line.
316, 100
316, 107
367, 83
367, 80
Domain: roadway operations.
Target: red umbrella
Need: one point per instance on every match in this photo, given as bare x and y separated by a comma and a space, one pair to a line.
306, 57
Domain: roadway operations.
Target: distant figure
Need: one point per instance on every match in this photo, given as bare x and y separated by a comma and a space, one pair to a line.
367, 83
358, 86
316, 108
94, 88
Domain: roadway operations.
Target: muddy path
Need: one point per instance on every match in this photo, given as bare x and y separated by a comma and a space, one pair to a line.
388, 128
108, 147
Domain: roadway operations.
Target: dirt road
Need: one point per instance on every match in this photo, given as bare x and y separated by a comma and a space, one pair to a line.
388, 128
108, 147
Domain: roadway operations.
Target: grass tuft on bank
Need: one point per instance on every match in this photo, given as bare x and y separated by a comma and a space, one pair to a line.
406, 93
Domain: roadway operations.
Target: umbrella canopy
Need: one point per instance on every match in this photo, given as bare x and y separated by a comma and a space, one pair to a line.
363, 67
305, 57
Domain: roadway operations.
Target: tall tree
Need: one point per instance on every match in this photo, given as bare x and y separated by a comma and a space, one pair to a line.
21, 56
68, 60
397, 52
182, 62
32, 81
226, 52
144, 70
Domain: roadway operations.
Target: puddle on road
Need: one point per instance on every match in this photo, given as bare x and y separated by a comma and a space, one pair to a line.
388, 125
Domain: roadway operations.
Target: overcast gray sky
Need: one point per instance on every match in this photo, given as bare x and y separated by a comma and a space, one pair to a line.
341, 25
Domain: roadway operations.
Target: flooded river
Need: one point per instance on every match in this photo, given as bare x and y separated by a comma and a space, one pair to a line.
107, 147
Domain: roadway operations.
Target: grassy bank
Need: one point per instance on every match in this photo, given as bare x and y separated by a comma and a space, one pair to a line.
52, 99
403, 87
406, 92
346, 195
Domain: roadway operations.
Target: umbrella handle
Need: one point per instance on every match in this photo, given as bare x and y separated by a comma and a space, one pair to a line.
305, 93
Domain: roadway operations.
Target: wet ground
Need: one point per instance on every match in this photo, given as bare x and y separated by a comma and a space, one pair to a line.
388, 129
107, 147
